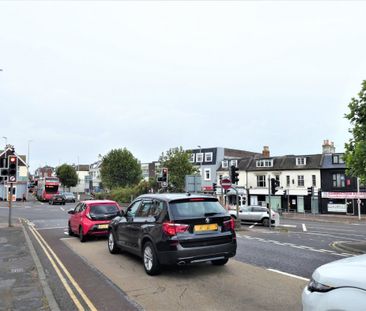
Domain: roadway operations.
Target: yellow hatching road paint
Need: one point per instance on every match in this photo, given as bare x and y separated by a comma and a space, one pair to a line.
44, 245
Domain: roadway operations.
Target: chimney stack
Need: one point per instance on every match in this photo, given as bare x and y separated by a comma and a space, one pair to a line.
328, 146
265, 152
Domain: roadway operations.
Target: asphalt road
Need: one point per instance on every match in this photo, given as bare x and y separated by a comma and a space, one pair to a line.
298, 248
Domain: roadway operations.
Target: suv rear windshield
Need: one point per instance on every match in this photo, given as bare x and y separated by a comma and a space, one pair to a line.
195, 207
103, 209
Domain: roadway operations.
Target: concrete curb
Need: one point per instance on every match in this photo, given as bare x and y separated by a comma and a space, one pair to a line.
41, 274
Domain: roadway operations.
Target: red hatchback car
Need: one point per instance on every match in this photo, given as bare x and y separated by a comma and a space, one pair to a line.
92, 218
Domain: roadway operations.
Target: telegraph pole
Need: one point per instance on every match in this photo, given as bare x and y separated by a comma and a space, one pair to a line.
269, 202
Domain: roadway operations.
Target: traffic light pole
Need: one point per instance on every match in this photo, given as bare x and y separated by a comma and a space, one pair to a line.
10, 199
269, 202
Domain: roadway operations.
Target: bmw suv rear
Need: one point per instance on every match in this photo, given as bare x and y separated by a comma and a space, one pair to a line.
170, 229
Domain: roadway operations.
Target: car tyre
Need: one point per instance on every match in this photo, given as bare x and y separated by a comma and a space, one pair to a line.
112, 246
220, 262
150, 259
82, 237
70, 231
265, 222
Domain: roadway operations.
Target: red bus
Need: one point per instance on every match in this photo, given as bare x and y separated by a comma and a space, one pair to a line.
47, 187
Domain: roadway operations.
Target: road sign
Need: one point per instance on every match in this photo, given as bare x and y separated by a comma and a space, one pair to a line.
225, 183
12, 179
164, 184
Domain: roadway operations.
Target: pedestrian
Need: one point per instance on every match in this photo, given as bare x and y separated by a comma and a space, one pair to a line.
24, 198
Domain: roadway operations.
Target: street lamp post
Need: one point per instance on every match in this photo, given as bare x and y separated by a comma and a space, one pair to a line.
6, 140
29, 141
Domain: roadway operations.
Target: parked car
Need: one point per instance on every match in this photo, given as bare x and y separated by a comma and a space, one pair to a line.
254, 213
91, 218
174, 229
339, 285
57, 199
69, 197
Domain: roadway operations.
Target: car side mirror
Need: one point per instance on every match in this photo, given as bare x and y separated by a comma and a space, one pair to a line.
71, 211
120, 213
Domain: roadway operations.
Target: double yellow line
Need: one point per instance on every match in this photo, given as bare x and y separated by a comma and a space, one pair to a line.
58, 266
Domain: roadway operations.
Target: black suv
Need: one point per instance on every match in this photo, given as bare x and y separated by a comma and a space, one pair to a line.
174, 229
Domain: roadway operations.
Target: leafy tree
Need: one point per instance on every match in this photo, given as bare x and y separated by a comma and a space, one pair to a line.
355, 154
67, 175
120, 169
178, 164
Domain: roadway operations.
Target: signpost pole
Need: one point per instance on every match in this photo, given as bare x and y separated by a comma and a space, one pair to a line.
358, 199
10, 199
269, 202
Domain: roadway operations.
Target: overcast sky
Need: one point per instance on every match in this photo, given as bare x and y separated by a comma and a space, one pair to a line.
82, 78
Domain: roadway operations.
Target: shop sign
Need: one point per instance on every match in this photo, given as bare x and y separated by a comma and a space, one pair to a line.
337, 208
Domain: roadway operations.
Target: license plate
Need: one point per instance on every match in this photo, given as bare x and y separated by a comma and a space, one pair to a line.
103, 226
209, 227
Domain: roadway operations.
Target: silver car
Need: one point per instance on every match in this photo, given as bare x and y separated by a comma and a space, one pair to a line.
254, 213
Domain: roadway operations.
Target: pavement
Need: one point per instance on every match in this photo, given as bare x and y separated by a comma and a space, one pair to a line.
21, 283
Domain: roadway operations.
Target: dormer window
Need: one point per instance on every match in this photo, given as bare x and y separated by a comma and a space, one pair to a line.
208, 156
224, 164
265, 163
199, 157
301, 161
234, 162
338, 159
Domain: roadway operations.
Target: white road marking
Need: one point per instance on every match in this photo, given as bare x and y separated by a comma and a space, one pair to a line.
289, 274
66, 238
50, 228
252, 226
303, 247
288, 226
304, 228
62, 208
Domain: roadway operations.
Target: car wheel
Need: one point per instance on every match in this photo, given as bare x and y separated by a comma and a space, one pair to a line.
70, 231
151, 263
112, 246
265, 222
49, 202
82, 237
220, 262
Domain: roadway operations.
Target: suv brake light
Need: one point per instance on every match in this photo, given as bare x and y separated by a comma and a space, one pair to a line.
229, 224
172, 229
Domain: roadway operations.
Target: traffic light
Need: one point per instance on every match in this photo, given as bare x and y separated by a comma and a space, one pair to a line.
311, 191
274, 184
13, 168
234, 175
214, 187
164, 175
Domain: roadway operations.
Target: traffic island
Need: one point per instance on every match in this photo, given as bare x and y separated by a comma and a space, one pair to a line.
357, 248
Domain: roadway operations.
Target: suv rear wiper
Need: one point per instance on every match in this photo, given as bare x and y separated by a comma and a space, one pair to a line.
212, 213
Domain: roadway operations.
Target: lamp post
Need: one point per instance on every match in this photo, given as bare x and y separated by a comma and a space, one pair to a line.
6, 140
29, 141
200, 164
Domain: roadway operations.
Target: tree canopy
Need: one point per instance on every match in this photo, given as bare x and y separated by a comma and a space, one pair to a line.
67, 175
120, 169
355, 149
178, 164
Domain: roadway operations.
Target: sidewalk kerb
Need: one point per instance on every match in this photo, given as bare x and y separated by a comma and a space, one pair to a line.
42, 276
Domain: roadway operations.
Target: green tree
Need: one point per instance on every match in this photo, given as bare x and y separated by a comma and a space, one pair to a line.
355, 149
67, 175
120, 169
178, 164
